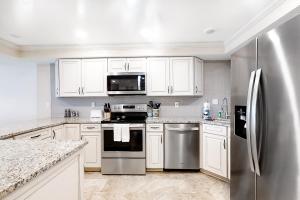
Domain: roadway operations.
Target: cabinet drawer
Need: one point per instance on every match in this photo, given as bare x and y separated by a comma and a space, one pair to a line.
214, 129
90, 127
155, 127
38, 135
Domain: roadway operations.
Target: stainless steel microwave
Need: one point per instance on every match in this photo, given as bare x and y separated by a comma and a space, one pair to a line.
126, 83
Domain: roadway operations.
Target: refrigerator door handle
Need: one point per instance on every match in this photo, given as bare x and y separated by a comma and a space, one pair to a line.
253, 121
248, 118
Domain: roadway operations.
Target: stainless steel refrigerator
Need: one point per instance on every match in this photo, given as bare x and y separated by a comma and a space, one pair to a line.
265, 107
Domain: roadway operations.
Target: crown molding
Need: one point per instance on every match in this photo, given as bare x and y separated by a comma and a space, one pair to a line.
9, 48
203, 50
275, 13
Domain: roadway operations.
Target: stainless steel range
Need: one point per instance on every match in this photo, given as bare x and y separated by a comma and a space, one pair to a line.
124, 157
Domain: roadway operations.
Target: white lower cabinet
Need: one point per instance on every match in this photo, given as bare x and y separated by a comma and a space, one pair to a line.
92, 151
58, 133
72, 132
155, 146
215, 153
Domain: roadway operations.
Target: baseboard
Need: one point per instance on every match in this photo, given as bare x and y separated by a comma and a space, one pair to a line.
154, 169
92, 169
214, 175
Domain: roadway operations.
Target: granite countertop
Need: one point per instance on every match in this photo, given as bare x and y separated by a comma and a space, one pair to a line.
8, 130
23, 160
222, 122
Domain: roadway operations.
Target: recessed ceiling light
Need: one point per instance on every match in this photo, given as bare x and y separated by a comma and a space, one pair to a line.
209, 30
80, 34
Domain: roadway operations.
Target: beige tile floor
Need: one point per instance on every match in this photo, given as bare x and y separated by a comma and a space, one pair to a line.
155, 185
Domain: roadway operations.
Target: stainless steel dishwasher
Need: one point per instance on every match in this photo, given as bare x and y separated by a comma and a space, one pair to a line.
181, 146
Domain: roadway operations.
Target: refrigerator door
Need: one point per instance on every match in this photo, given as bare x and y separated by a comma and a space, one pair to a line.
242, 183
279, 58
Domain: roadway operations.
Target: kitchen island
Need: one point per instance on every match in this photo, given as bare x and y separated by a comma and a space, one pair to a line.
38, 169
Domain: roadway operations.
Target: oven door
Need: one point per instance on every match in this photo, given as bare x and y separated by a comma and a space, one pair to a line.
126, 83
135, 148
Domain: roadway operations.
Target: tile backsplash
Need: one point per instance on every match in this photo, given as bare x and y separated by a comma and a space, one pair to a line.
216, 86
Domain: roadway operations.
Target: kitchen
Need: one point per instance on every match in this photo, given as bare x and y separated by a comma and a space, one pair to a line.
140, 115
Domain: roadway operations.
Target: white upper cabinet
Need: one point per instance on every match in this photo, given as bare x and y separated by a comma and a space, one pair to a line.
136, 64
126, 64
175, 76
181, 76
158, 70
198, 76
165, 76
94, 77
81, 77
117, 65
70, 77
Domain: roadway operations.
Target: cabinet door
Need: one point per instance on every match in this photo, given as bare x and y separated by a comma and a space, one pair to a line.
181, 76
198, 76
158, 70
70, 77
92, 151
136, 64
154, 157
94, 77
215, 154
116, 64
72, 131
58, 133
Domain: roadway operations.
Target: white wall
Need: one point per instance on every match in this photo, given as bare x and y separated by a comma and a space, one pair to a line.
43, 91
18, 91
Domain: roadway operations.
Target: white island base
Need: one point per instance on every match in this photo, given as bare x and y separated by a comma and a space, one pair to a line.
64, 181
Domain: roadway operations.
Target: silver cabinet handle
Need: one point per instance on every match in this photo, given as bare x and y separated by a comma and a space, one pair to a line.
82, 91
81, 137
79, 90
171, 89
154, 127
90, 127
196, 89
161, 139
168, 89
224, 144
36, 136
54, 134
254, 120
248, 118
127, 66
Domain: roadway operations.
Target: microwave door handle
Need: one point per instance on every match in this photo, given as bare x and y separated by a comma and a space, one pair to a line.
139, 83
254, 121
248, 120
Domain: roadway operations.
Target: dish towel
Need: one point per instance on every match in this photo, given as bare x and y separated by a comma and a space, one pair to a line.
118, 132
125, 133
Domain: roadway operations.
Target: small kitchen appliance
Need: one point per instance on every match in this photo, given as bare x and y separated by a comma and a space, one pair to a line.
206, 111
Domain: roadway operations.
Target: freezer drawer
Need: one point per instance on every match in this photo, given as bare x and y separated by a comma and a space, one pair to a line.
181, 146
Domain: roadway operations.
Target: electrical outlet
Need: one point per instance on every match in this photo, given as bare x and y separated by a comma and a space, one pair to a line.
176, 104
215, 101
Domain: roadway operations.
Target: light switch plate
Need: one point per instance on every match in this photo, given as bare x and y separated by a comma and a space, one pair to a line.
176, 104
215, 101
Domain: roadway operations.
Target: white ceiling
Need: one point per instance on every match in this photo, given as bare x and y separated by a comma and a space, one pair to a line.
69, 22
